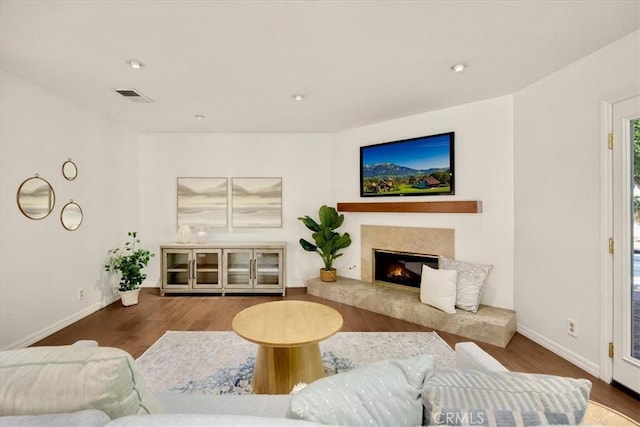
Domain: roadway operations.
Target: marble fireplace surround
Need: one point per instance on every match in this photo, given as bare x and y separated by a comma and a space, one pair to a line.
426, 241
492, 325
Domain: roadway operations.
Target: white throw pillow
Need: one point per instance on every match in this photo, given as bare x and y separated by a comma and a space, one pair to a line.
438, 288
470, 281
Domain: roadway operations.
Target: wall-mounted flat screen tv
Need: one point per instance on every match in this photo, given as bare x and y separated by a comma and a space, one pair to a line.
421, 166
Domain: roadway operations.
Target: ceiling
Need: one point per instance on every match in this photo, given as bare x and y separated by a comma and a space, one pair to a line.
239, 63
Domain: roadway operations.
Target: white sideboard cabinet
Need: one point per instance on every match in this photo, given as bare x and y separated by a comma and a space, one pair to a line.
247, 267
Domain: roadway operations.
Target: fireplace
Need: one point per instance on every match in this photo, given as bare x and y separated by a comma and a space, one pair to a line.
401, 268
409, 240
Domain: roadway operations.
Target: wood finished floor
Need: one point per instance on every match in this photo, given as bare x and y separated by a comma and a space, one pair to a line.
136, 328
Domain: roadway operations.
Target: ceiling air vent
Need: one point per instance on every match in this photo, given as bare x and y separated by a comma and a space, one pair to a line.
133, 95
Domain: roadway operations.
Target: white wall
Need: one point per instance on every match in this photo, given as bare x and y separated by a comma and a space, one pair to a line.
42, 265
302, 160
484, 171
558, 199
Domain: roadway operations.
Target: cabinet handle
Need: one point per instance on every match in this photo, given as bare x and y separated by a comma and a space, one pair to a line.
192, 269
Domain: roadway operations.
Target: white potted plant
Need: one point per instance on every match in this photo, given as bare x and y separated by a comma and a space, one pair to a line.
129, 261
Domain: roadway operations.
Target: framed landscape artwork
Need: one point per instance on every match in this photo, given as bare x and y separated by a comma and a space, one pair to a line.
256, 202
202, 202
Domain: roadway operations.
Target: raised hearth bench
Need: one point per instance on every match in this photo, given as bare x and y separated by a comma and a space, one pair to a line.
492, 325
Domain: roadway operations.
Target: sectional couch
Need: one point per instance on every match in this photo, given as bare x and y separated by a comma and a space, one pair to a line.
86, 385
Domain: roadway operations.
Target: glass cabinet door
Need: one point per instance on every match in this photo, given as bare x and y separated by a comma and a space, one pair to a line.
238, 271
207, 268
177, 271
268, 268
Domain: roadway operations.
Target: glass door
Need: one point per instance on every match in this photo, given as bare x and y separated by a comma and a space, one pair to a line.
626, 258
177, 269
635, 282
268, 268
238, 272
207, 269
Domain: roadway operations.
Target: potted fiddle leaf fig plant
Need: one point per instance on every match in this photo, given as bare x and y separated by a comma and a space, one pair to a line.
327, 242
129, 261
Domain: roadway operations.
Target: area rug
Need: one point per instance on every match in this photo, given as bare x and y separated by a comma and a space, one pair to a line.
222, 362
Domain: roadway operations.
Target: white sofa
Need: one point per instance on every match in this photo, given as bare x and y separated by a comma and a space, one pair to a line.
87, 386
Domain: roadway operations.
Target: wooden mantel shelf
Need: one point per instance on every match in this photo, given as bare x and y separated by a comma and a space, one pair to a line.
454, 206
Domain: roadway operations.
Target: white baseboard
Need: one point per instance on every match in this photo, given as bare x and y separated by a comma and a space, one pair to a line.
582, 363
297, 284
37, 336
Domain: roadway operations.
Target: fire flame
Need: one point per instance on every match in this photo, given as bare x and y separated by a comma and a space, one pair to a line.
397, 271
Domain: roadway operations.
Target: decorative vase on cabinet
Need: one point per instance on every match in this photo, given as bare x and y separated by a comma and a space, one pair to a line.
184, 234
201, 236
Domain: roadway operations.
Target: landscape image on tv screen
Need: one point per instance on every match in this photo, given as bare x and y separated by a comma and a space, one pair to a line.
411, 167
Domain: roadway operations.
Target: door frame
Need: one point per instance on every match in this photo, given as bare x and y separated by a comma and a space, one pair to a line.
606, 272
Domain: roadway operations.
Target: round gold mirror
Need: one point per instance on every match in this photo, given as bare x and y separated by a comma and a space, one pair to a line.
69, 170
71, 216
35, 198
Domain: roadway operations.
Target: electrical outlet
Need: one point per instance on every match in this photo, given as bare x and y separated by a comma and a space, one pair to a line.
80, 293
572, 328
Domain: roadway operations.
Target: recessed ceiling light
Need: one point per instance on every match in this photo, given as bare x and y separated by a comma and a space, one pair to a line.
458, 67
134, 63
298, 97
199, 116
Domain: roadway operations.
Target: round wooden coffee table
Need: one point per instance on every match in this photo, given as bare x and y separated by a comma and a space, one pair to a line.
288, 333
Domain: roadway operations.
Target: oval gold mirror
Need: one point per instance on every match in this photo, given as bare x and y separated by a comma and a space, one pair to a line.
36, 198
71, 216
69, 170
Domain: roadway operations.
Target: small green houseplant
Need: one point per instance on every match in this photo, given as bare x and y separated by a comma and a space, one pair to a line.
129, 261
328, 242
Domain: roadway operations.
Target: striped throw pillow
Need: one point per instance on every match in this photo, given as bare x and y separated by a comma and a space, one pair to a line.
482, 398
53, 380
